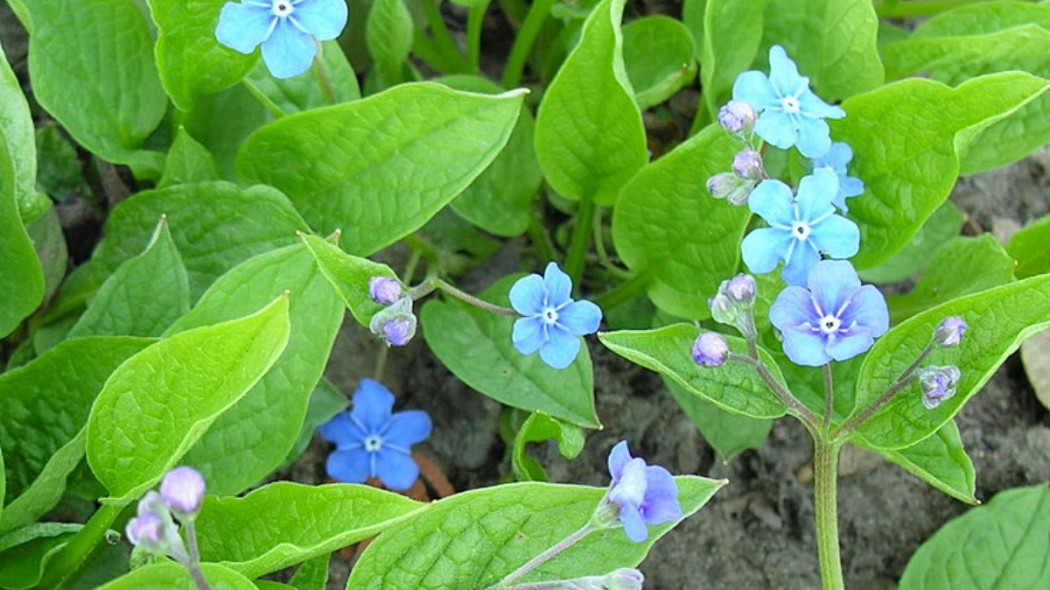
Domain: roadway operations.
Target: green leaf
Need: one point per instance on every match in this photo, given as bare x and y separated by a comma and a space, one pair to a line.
253, 437
103, 49
188, 162
168, 575
191, 62
1001, 545
3, 484
388, 35
731, 36
658, 54
940, 228
736, 387
21, 276
1028, 248
668, 227
221, 122
728, 433
907, 136
380, 167
473, 539
981, 259
210, 224
18, 137
287, 96
302, 522
312, 574
999, 320
590, 139
539, 427
939, 460
325, 402
44, 405
161, 401
50, 243
832, 41
25, 552
500, 200
348, 275
693, 18
143, 297
476, 346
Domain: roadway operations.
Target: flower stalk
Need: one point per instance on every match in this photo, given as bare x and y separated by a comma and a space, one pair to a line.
825, 498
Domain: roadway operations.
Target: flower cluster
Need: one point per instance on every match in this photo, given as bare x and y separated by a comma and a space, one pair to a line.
395, 323
153, 528
552, 322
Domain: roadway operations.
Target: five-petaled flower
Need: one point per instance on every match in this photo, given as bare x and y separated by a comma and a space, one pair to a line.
645, 494
791, 114
552, 322
800, 228
372, 442
286, 29
832, 318
838, 156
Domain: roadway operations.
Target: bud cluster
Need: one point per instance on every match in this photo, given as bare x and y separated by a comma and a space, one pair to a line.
153, 529
396, 324
734, 304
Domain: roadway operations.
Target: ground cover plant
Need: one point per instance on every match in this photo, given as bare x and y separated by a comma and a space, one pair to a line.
748, 199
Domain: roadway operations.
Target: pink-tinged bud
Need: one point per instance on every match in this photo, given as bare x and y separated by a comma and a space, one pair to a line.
183, 491
736, 116
710, 350
396, 324
147, 531
741, 289
950, 331
938, 384
748, 164
384, 290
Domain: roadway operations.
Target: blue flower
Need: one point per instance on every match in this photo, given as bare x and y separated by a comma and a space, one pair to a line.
790, 113
800, 228
372, 442
285, 28
645, 494
553, 322
837, 157
832, 318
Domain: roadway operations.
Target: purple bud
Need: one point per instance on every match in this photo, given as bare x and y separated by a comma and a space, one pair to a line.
384, 290
146, 531
183, 491
938, 384
720, 185
748, 164
741, 289
950, 331
710, 350
400, 330
624, 579
736, 116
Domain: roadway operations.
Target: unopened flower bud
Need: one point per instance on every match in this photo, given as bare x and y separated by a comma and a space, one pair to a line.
710, 350
722, 309
396, 324
950, 331
384, 290
734, 304
147, 531
183, 491
624, 579
736, 116
748, 164
720, 185
152, 529
741, 289
938, 384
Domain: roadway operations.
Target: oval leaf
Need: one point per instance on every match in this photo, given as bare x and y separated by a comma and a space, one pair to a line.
658, 56
348, 275
16, 132
21, 276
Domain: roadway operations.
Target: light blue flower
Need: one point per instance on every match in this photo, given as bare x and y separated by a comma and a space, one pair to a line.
372, 442
286, 29
791, 114
837, 157
832, 318
800, 228
645, 494
552, 322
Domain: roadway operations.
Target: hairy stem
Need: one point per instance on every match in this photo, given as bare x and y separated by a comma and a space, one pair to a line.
795, 407
902, 381
519, 52
430, 285
194, 562
543, 557
825, 467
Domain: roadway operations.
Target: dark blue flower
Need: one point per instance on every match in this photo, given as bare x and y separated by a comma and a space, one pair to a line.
832, 318
372, 442
286, 29
790, 113
837, 158
552, 322
645, 494
800, 228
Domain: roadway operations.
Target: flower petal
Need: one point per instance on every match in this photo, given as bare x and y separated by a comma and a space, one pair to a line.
783, 73
341, 430
771, 200
805, 348
816, 191
814, 136
407, 428
349, 466
561, 349
242, 27
323, 19
837, 157
754, 89
850, 186
372, 404
801, 262
580, 317
812, 106
661, 496
633, 525
764, 248
793, 309
528, 294
777, 127
845, 348
618, 457
559, 285
868, 308
528, 335
288, 52
630, 489
830, 282
837, 237
396, 470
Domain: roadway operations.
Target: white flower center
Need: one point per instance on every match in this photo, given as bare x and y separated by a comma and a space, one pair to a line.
282, 8
373, 444
830, 324
790, 104
550, 316
801, 230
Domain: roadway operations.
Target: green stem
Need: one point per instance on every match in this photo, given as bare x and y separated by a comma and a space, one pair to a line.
445, 44
795, 407
515, 11
540, 239
544, 557
522, 48
475, 22
430, 285
323, 79
624, 292
581, 240
70, 558
895, 9
603, 254
825, 492
902, 381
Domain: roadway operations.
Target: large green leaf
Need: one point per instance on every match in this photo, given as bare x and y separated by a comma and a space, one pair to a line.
16, 133
348, 275
727, 432
312, 574
168, 575
287, 96
999, 320
939, 460
190, 60
938, 230
906, 137
103, 49
379, 168
24, 553
161, 401
388, 35
589, 134
21, 276
47, 489
667, 226
1005, 544
732, 31
221, 122
476, 346
473, 539
254, 436
301, 522
658, 55
1028, 248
